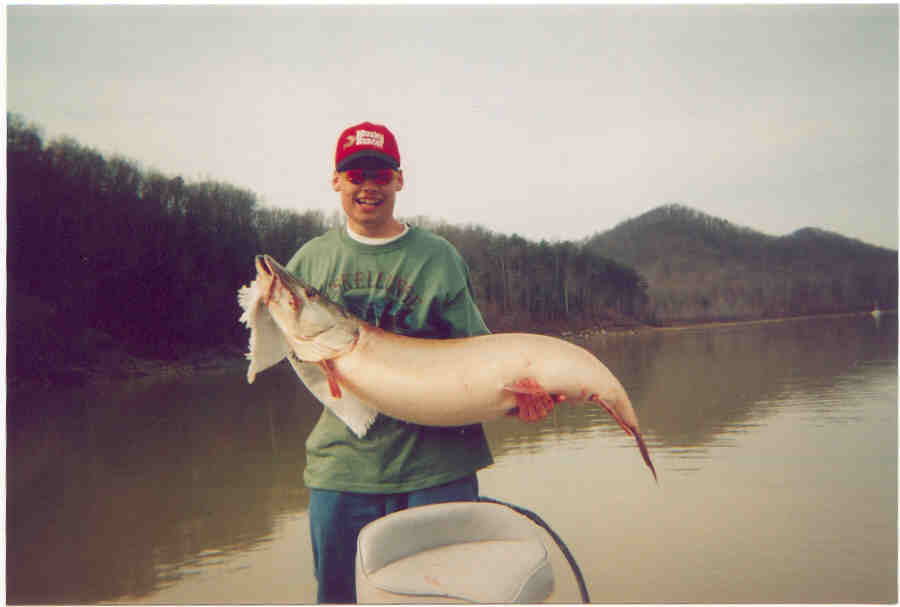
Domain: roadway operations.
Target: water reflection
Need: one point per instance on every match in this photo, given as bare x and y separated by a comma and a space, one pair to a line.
118, 493
120, 497
695, 388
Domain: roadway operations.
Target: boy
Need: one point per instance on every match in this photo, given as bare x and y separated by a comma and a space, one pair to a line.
409, 281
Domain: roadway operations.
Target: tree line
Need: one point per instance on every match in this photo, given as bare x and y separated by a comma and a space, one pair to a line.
100, 250
520, 283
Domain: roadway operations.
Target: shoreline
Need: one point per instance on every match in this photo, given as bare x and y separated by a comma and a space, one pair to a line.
714, 324
130, 368
123, 367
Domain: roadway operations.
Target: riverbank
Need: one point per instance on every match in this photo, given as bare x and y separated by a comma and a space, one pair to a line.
636, 327
112, 363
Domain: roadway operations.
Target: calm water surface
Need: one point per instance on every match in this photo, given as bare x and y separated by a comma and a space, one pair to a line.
776, 446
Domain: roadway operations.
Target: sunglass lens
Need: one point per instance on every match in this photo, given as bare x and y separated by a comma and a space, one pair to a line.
356, 176
381, 176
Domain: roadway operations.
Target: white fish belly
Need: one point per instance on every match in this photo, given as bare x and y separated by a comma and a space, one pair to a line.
445, 382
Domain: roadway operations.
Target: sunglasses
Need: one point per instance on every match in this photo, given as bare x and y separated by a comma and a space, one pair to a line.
379, 176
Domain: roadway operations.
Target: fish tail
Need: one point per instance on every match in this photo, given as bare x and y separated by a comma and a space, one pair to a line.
645, 454
630, 431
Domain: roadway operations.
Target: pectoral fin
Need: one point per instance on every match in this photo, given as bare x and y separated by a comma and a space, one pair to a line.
349, 408
331, 374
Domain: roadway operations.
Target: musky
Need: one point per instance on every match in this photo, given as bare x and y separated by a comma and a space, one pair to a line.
550, 122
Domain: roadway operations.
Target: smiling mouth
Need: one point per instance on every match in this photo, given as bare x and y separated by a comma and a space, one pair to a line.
368, 203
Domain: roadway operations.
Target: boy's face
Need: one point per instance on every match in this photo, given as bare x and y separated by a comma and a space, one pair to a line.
368, 191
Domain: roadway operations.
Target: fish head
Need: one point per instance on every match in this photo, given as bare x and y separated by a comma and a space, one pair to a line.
316, 328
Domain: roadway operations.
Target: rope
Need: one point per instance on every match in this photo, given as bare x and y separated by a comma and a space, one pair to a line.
562, 545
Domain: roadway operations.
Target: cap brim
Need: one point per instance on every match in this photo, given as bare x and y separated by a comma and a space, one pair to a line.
388, 160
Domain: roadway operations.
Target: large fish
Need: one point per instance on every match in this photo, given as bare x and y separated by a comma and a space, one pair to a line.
358, 370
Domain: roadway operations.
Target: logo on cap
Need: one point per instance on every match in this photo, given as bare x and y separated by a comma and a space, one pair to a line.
369, 138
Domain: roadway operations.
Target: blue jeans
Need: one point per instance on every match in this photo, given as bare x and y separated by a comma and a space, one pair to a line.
336, 518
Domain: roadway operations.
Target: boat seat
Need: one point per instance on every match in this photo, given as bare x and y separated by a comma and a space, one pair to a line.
453, 552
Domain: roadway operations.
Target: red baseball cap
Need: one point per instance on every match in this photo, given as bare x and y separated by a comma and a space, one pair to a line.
366, 140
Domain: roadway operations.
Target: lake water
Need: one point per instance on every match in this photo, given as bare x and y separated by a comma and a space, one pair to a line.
775, 443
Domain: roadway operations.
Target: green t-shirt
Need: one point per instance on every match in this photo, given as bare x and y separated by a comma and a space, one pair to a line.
419, 286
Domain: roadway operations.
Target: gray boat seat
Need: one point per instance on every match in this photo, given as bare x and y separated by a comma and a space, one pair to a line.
454, 552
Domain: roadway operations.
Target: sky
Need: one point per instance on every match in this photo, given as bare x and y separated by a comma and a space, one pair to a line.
546, 121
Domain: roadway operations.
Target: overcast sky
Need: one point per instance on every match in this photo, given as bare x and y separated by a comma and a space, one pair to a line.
544, 121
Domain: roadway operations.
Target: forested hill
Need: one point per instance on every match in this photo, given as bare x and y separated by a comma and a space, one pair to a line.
700, 267
109, 264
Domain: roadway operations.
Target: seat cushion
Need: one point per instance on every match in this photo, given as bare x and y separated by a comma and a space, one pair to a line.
469, 551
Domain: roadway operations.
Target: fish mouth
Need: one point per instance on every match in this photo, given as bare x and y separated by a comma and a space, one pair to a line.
281, 278
263, 266
269, 266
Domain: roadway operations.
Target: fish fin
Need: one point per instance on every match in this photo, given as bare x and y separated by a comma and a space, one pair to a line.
357, 415
331, 374
630, 431
267, 345
524, 386
645, 453
532, 400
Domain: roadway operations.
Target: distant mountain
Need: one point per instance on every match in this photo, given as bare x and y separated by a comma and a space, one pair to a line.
700, 267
